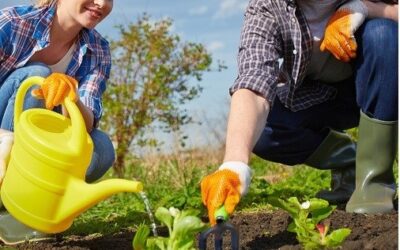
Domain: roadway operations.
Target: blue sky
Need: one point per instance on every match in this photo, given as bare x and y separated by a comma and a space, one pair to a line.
214, 23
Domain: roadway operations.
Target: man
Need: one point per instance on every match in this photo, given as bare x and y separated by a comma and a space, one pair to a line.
308, 70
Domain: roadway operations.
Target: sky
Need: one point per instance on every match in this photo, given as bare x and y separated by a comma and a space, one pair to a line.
214, 23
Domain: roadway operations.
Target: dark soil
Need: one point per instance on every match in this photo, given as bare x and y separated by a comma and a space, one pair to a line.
256, 231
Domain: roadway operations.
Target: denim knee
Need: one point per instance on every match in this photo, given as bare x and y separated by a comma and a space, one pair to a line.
379, 35
377, 69
19, 75
9, 90
37, 69
103, 156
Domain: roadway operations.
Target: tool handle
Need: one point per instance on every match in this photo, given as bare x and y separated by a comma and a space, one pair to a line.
221, 215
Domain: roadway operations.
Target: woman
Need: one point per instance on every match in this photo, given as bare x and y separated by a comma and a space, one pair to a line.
57, 36
56, 39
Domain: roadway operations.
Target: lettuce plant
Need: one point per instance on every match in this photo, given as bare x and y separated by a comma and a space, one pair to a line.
307, 217
182, 227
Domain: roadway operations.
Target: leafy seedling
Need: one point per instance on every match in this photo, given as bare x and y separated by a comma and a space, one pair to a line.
307, 217
182, 227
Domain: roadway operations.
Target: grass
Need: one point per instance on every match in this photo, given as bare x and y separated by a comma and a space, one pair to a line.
174, 181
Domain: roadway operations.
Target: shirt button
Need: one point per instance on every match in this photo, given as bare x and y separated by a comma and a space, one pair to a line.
293, 19
294, 52
281, 84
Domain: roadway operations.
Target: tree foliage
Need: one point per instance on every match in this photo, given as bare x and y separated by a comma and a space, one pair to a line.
149, 83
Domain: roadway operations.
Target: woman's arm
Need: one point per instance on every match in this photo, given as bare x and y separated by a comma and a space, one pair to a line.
382, 10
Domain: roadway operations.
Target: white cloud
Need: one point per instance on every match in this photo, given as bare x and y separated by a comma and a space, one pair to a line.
198, 11
228, 8
215, 45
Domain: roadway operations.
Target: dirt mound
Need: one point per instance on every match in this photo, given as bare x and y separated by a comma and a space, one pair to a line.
262, 230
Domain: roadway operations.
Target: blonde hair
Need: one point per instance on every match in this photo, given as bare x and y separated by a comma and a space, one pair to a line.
42, 3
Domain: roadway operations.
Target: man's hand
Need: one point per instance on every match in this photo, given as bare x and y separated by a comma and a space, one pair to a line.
56, 88
339, 33
6, 142
225, 187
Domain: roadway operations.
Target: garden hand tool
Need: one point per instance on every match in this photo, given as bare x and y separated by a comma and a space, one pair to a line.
337, 152
339, 33
222, 225
376, 151
55, 88
225, 187
44, 187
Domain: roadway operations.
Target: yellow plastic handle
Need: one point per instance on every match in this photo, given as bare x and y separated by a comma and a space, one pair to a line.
79, 134
19, 100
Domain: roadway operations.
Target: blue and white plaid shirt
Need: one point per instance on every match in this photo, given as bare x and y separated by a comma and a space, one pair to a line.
25, 30
276, 30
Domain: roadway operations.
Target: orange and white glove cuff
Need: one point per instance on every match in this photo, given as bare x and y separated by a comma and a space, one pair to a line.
359, 12
242, 170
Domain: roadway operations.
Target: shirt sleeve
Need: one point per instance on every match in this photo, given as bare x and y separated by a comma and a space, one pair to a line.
259, 51
5, 31
93, 86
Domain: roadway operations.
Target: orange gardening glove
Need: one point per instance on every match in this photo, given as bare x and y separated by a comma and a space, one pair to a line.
225, 187
339, 33
56, 88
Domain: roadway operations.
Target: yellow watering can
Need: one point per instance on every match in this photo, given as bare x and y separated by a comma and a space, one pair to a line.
44, 185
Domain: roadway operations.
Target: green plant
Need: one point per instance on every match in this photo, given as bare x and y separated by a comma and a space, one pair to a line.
182, 227
306, 222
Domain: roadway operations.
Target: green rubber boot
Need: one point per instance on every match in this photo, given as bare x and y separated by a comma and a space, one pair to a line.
337, 152
376, 151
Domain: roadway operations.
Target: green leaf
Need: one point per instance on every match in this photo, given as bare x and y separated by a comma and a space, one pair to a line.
287, 206
337, 237
322, 213
163, 215
188, 225
316, 204
141, 235
292, 227
160, 242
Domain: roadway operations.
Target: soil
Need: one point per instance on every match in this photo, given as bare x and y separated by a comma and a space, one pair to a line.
262, 230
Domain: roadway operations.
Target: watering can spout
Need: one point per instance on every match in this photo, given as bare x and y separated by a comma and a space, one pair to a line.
80, 195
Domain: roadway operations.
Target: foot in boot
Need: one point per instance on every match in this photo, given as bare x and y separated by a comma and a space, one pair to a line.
14, 232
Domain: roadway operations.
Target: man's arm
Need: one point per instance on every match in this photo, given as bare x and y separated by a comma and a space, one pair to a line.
382, 10
247, 118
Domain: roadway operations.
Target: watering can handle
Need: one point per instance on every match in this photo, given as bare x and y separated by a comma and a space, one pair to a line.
79, 133
19, 100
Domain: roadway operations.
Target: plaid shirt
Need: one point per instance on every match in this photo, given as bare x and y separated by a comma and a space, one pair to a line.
25, 30
274, 30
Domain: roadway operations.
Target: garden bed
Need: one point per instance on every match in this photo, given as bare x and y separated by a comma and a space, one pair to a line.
261, 230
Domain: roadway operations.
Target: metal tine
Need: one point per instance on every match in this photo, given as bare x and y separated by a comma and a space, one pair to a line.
218, 231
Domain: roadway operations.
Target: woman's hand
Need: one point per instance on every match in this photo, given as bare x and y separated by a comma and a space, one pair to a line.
56, 88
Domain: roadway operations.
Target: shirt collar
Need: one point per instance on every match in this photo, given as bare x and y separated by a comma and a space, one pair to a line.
42, 30
86, 38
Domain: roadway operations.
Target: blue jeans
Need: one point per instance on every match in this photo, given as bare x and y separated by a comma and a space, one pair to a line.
103, 153
291, 137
